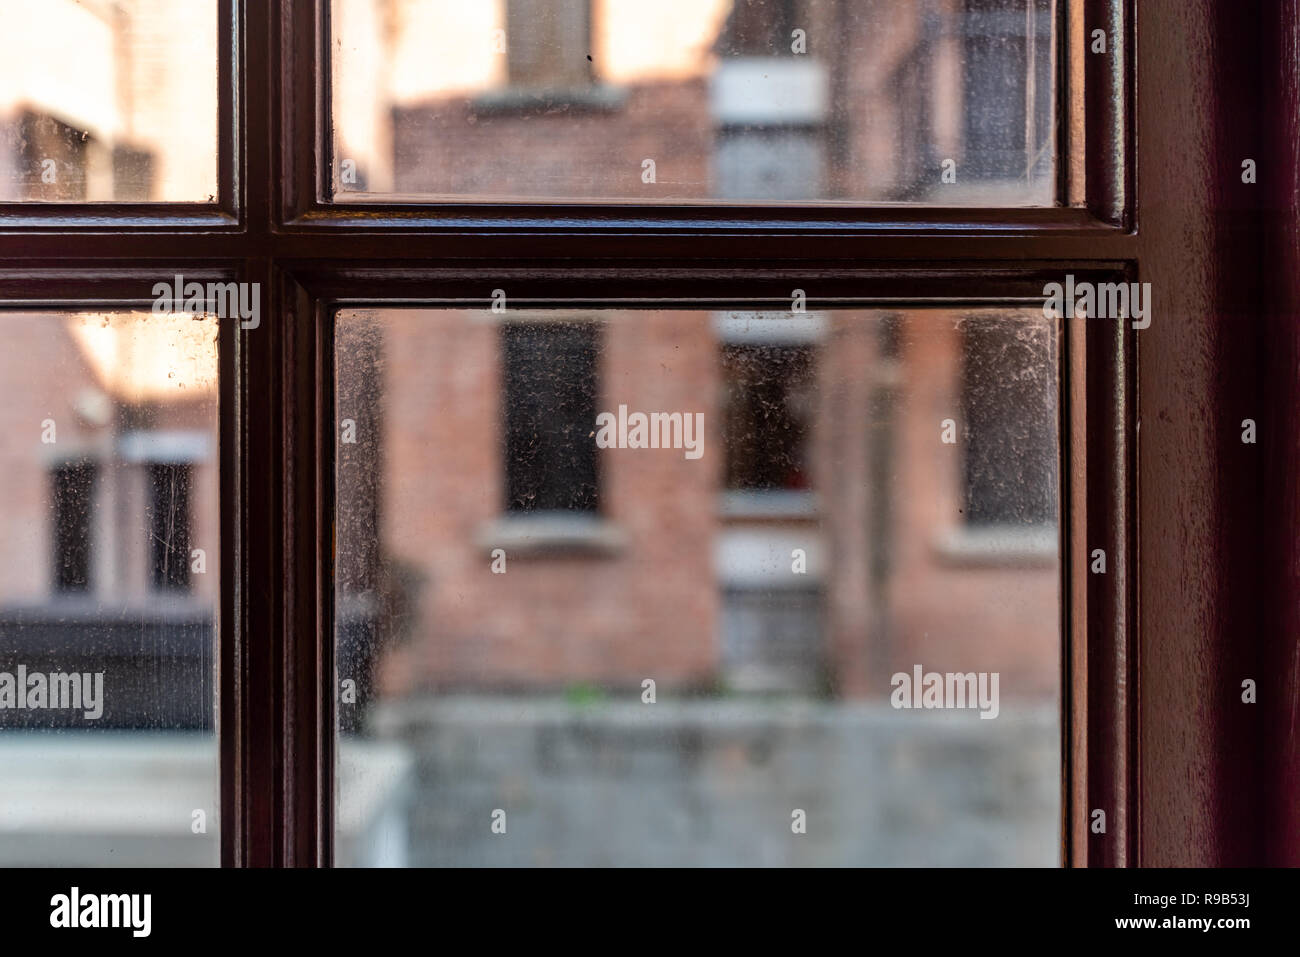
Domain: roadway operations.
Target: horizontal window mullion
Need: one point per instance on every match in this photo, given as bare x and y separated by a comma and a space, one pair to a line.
386, 245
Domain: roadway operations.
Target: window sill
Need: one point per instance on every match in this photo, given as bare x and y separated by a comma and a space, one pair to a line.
545, 100
767, 504
998, 545
165, 447
548, 533
88, 607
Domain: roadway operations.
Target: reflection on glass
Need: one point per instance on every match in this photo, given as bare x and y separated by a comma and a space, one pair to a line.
105, 100
944, 102
108, 590
627, 587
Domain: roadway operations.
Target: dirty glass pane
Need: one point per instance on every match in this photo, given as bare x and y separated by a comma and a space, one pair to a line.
946, 102
108, 589
108, 100
787, 594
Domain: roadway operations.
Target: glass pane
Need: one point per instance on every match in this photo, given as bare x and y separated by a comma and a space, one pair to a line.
104, 100
108, 590
951, 102
690, 588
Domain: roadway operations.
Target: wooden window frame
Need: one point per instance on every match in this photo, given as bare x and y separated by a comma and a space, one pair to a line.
1202, 575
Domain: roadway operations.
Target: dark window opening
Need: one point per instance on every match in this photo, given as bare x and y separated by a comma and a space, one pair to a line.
550, 415
1009, 410
1008, 120
767, 415
73, 488
548, 43
54, 158
169, 540
760, 27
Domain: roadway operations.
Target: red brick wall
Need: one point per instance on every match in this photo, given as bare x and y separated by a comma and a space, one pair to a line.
451, 147
946, 616
647, 611
45, 372
651, 609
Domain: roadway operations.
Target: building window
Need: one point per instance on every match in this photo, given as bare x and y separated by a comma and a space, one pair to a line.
1007, 117
1009, 409
769, 108
169, 526
756, 29
767, 410
548, 43
550, 412
55, 158
73, 491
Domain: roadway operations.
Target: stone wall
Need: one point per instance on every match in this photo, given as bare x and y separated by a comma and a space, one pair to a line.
709, 783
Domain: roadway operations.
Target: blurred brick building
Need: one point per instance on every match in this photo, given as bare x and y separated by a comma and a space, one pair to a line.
666, 568
822, 430
108, 452
827, 537
683, 570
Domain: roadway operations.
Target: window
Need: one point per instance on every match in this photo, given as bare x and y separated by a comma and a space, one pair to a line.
110, 588
773, 627
109, 102
745, 101
1010, 414
72, 496
387, 657
52, 147
752, 29
767, 416
769, 365
1007, 120
523, 660
169, 538
771, 113
549, 43
549, 401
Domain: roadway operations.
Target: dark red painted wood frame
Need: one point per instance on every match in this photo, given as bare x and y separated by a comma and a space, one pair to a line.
1203, 585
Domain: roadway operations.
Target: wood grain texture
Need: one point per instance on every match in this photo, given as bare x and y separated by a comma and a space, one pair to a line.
1281, 458
1179, 424
1216, 548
